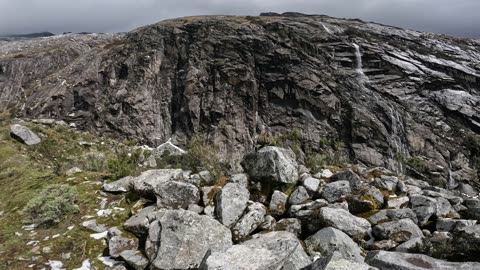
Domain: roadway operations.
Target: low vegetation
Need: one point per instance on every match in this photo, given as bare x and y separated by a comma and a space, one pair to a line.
52, 204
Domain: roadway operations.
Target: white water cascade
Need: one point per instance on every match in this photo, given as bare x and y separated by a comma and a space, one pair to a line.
451, 181
359, 66
397, 129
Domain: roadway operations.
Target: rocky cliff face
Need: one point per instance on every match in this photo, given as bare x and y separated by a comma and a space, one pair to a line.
393, 97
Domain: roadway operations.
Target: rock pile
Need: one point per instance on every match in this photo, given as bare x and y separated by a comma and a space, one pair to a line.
270, 218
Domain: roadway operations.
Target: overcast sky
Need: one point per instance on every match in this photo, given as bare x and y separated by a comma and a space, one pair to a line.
454, 17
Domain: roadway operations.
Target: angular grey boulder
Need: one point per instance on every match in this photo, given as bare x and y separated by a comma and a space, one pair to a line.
24, 135
299, 195
398, 231
138, 224
292, 225
134, 259
328, 240
272, 163
353, 179
392, 214
181, 239
176, 195
424, 207
449, 224
408, 261
278, 203
341, 219
336, 261
334, 192
146, 183
124, 184
94, 226
273, 250
311, 184
249, 222
117, 242
388, 183
231, 202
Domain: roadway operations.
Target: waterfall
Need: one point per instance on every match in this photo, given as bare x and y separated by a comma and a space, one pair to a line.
359, 65
451, 181
397, 129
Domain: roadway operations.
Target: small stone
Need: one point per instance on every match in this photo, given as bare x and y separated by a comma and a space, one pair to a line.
73, 171
397, 202
249, 222
231, 202
398, 231
311, 184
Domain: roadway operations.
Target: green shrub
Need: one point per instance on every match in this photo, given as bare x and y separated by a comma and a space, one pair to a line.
267, 140
124, 163
315, 161
52, 204
202, 155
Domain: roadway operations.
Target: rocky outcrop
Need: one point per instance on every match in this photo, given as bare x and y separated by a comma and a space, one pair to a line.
414, 107
24, 135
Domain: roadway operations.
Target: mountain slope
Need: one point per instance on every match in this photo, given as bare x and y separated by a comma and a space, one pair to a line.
375, 94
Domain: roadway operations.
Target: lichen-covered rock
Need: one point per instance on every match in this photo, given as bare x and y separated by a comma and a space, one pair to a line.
336, 261
397, 202
231, 202
334, 192
274, 250
117, 242
124, 184
424, 207
24, 134
392, 214
175, 195
181, 239
278, 203
134, 259
387, 183
328, 240
311, 184
138, 224
148, 181
449, 224
353, 179
299, 195
292, 225
254, 216
273, 164
398, 231
341, 219
408, 261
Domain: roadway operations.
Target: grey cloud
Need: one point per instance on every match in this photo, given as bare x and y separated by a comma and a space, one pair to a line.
457, 17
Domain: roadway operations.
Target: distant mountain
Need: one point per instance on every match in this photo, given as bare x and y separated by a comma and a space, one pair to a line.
384, 96
12, 37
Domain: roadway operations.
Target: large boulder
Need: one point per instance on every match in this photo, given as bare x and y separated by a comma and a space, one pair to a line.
336, 261
272, 163
341, 219
278, 203
408, 261
122, 185
424, 207
180, 240
328, 240
336, 191
24, 135
273, 250
138, 224
292, 225
175, 195
398, 231
299, 195
353, 179
249, 222
392, 214
147, 182
231, 202
118, 242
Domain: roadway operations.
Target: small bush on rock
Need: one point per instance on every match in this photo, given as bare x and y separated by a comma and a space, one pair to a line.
124, 163
202, 155
52, 204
